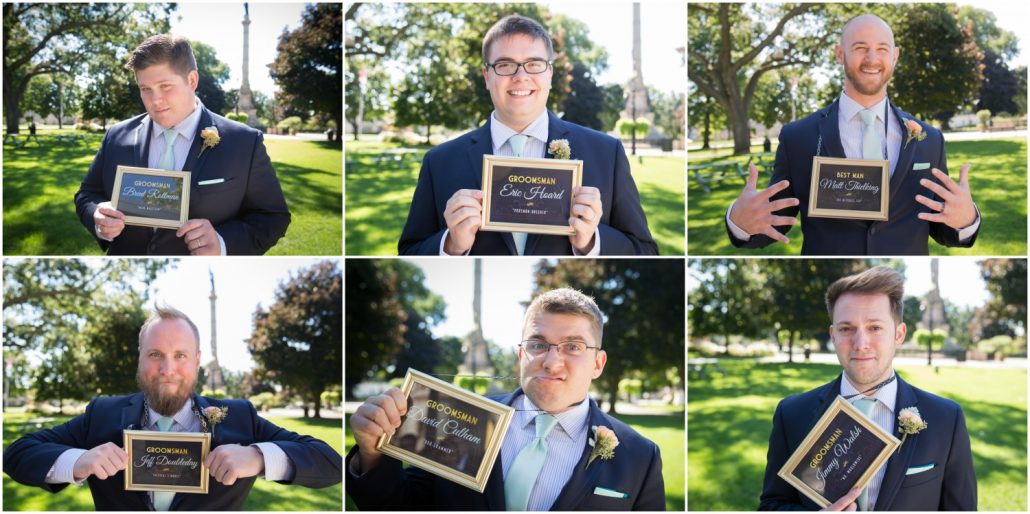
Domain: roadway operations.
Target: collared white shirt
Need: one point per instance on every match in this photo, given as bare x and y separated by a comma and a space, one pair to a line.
536, 147
277, 465
882, 414
565, 446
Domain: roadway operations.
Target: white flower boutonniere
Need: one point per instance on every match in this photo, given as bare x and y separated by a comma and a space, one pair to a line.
915, 131
911, 423
215, 415
603, 443
559, 148
210, 137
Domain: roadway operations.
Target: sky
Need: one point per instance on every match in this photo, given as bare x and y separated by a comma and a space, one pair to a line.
1011, 16
220, 25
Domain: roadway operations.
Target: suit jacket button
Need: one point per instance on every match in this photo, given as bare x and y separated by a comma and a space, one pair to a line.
872, 231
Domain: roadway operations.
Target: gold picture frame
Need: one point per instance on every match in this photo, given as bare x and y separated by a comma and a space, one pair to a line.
841, 428
448, 431
843, 188
133, 186
161, 461
508, 183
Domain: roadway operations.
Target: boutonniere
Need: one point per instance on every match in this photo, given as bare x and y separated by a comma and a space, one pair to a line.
215, 415
210, 137
915, 131
603, 443
559, 148
910, 422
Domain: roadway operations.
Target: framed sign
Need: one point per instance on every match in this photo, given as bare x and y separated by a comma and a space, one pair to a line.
843, 451
166, 461
448, 431
152, 198
529, 195
849, 188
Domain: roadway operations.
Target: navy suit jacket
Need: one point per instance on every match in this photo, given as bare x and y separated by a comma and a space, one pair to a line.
248, 209
949, 485
29, 459
902, 234
458, 164
635, 470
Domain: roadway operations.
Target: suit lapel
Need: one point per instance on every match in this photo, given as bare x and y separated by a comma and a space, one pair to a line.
829, 132
556, 129
482, 144
905, 157
194, 161
141, 144
576, 489
132, 419
831, 392
898, 463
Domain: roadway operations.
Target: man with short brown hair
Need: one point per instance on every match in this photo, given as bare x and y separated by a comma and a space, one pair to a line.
236, 206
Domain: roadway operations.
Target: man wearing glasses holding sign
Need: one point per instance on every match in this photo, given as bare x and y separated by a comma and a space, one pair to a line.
933, 467
560, 452
446, 208
862, 124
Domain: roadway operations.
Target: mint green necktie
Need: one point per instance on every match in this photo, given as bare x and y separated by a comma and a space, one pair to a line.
167, 161
163, 500
524, 471
872, 148
517, 143
865, 406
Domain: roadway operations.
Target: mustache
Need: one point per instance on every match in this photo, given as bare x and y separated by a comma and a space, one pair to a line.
165, 403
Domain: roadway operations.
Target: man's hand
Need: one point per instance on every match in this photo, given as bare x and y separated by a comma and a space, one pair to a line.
586, 214
230, 462
753, 212
957, 210
379, 415
103, 461
200, 237
464, 215
108, 221
846, 502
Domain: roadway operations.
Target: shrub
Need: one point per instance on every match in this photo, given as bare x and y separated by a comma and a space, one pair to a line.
478, 384
292, 124
263, 401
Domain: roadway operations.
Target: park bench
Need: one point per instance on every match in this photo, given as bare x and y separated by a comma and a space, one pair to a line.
703, 369
714, 172
763, 161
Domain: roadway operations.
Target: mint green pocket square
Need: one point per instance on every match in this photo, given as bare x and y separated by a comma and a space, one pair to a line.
601, 491
920, 166
919, 469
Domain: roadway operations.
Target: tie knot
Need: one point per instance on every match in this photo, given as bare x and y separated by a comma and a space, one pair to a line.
517, 143
170, 136
868, 117
544, 424
865, 405
164, 423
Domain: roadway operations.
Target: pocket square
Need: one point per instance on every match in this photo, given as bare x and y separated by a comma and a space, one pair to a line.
920, 166
209, 182
919, 469
611, 493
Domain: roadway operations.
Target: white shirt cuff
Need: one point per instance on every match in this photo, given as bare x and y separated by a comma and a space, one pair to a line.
965, 234
595, 251
444, 240
221, 244
734, 229
63, 471
277, 465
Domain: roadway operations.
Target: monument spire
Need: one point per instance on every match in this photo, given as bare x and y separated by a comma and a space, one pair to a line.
477, 359
215, 380
245, 102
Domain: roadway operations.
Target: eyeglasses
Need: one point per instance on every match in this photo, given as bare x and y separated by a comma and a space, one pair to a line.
509, 68
569, 348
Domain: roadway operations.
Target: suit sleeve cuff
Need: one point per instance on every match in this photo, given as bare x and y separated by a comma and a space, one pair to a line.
964, 235
64, 468
444, 240
595, 251
278, 466
734, 229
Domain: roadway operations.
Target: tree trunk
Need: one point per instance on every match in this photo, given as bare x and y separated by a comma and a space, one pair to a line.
726, 340
790, 346
707, 131
427, 133
613, 392
305, 410
317, 399
11, 112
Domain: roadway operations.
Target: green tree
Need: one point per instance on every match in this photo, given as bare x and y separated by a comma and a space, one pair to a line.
296, 340
730, 299
45, 96
778, 100
668, 111
705, 115
585, 102
307, 65
1000, 86
613, 103
110, 339
1006, 282
373, 93
213, 73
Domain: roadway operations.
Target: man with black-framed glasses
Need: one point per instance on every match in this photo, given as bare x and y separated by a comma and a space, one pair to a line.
546, 457
446, 208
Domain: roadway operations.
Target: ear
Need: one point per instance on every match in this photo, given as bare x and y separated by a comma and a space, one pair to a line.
599, 361
897, 53
899, 334
830, 330
486, 70
192, 79
838, 52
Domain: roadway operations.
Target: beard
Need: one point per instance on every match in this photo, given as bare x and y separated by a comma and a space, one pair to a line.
165, 404
858, 80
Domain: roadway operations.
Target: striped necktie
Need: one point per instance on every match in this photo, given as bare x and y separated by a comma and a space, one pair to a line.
518, 144
522, 475
872, 147
163, 500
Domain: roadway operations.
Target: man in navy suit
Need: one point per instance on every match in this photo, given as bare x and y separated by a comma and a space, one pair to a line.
559, 356
446, 208
244, 445
236, 203
924, 202
933, 469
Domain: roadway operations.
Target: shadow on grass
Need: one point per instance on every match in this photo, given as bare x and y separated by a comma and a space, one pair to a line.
378, 199
664, 210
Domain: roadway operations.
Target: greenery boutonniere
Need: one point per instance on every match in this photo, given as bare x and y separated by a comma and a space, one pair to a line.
210, 137
603, 443
911, 423
215, 415
915, 131
559, 148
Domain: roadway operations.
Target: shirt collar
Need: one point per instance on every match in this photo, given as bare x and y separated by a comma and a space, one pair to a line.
849, 108
500, 133
572, 422
887, 395
186, 128
183, 418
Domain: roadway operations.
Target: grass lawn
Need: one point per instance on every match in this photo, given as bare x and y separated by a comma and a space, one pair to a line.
997, 179
730, 418
265, 496
40, 183
379, 195
664, 429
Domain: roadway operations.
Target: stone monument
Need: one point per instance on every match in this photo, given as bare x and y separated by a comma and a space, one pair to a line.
638, 103
215, 379
245, 103
477, 359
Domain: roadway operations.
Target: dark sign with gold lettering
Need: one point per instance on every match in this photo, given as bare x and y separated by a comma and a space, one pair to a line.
166, 461
842, 452
152, 198
849, 188
529, 195
448, 431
